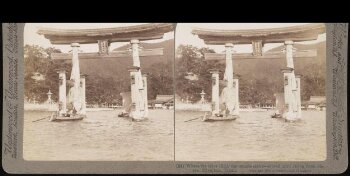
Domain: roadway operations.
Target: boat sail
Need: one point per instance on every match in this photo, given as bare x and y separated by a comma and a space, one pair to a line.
127, 104
73, 108
280, 108
225, 106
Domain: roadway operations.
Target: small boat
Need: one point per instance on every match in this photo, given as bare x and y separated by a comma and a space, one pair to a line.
57, 118
128, 116
218, 117
139, 120
123, 114
292, 121
275, 115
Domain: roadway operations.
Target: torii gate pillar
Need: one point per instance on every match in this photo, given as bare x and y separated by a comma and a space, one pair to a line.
236, 94
290, 86
62, 101
144, 95
83, 93
297, 78
232, 84
138, 91
75, 76
215, 92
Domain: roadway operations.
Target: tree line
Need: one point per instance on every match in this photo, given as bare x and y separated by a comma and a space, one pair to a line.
40, 76
257, 86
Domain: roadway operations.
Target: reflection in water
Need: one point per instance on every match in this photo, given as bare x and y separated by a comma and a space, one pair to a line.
254, 136
104, 136
100, 136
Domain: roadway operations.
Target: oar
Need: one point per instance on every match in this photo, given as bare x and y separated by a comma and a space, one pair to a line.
192, 119
40, 119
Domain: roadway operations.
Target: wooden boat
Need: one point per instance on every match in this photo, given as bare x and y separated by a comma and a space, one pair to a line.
127, 116
122, 114
292, 121
276, 115
139, 120
57, 118
208, 117
280, 117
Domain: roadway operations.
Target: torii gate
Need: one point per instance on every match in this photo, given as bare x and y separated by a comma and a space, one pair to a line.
104, 37
258, 37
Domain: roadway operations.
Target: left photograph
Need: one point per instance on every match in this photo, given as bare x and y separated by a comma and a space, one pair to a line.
98, 91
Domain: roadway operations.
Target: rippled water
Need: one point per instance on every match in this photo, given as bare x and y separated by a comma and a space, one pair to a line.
254, 136
104, 136
100, 136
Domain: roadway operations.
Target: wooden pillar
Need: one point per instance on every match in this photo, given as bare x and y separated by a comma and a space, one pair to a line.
229, 64
62, 99
215, 98
289, 53
135, 93
140, 109
144, 95
289, 97
75, 76
236, 94
297, 78
135, 52
230, 99
83, 93
291, 93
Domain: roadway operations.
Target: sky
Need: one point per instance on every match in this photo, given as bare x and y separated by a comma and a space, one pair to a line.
183, 34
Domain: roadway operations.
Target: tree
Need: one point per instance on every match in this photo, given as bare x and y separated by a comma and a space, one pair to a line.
40, 72
260, 80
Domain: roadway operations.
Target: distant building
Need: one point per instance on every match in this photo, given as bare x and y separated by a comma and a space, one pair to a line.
316, 102
163, 102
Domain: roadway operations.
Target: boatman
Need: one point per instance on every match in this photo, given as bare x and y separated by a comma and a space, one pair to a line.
227, 106
70, 98
127, 104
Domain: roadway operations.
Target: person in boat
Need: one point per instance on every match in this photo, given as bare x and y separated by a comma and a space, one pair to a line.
226, 104
280, 109
127, 103
70, 99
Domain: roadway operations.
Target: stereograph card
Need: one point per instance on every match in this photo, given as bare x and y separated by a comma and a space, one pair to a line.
175, 98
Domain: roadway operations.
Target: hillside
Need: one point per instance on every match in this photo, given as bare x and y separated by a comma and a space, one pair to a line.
118, 68
106, 77
259, 78
259, 69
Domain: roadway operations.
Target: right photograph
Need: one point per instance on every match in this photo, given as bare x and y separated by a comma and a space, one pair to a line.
250, 92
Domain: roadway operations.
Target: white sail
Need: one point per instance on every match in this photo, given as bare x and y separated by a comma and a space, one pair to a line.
127, 103
280, 102
227, 102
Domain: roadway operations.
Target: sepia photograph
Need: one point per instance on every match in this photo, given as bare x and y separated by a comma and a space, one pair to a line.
250, 92
98, 92
175, 98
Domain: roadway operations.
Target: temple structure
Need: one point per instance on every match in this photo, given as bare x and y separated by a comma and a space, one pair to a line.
104, 37
257, 38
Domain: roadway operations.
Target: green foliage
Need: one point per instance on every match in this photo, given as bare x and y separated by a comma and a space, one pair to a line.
258, 81
190, 60
99, 89
40, 73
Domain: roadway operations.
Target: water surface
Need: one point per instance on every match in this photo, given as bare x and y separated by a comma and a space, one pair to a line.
254, 136
100, 136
